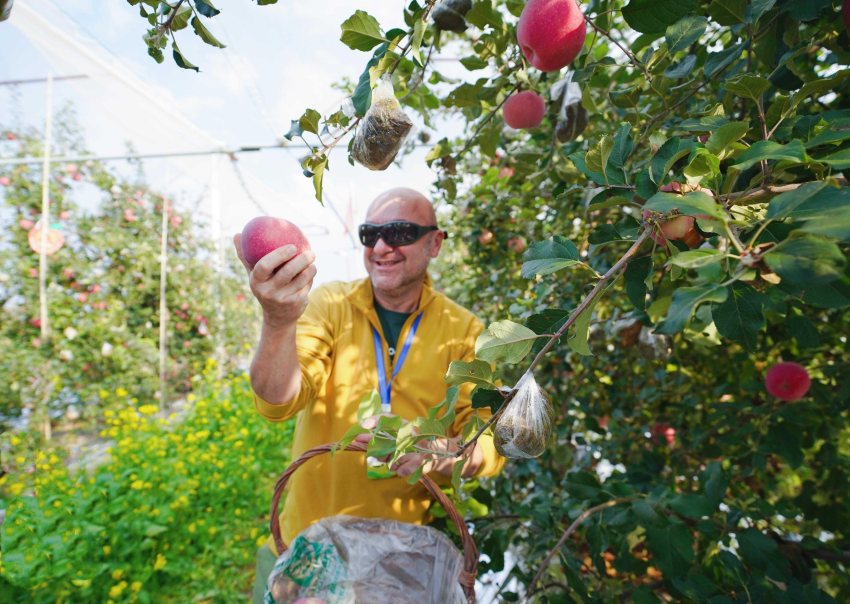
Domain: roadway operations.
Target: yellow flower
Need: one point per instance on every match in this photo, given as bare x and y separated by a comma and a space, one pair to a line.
117, 574
103, 394
261, 541
117, 589
137, 485
81, 583
136, 586
160, 562
14, 441
121, 392
192, 528
212, 530
148, 409
190, 398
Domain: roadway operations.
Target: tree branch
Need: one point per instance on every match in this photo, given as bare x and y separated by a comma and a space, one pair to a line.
628, 53
572, 528
487, 119
594, 293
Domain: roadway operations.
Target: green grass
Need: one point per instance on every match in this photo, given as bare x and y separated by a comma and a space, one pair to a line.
175, 516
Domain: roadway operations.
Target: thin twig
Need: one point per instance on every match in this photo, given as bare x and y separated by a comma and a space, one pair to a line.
760, 105
167, 25
628, 53
421, 77
594, 293
572, 528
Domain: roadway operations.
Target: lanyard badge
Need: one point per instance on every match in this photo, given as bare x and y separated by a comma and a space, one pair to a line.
374, 467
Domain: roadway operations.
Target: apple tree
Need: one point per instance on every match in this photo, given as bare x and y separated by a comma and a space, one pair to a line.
648, 205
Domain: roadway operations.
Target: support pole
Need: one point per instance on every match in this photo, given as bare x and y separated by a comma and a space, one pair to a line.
45, 225
163, 306
217, 333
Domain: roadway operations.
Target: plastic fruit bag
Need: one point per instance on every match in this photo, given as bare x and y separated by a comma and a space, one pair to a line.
572, 117
348, 560
382, 131
449, 15
523, 429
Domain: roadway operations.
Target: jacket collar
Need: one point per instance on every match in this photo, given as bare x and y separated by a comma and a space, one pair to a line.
362, 296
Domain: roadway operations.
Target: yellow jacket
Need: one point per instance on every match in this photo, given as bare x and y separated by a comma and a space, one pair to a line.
338, 368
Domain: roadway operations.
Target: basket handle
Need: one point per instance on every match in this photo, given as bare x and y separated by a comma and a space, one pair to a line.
470, 550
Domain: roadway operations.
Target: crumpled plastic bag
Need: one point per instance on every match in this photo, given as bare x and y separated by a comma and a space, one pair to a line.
572, 117
449, 15
382, 131
523, 429
348, 560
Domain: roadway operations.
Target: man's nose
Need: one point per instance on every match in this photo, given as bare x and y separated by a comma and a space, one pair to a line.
381, 247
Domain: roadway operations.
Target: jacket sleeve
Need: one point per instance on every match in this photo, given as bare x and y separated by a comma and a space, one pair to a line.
492, 462
314, 343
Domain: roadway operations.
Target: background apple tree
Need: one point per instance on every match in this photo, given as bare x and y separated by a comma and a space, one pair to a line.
672, 474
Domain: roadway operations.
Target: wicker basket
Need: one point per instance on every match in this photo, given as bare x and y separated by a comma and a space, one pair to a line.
470, 550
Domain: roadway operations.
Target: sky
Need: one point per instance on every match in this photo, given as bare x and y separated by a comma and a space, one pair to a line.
280, 59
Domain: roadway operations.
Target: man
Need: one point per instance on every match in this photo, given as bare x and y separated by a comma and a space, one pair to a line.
320, 358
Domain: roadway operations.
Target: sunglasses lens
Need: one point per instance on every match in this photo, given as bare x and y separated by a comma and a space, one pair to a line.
369, 235
400, 233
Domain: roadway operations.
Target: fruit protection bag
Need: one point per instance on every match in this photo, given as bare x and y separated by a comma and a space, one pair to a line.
348, 560
523, 429
572, 117
382, 131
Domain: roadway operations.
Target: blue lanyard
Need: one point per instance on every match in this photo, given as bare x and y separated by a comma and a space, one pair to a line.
384, 385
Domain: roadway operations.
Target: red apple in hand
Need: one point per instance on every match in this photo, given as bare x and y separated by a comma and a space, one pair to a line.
788, 381
551, 33
265, 234
524, 110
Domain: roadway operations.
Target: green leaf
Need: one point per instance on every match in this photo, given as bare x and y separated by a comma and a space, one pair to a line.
654, 16
802, 330
819, 87
504, 340
428, 427
747, 86
806, 261
582, 328
442, 149
309, 122
695, 203
473, 63
685, 32
318, 168
672, 547
361, 31
685, 300
725, 136
486, 398
838, 160
668, 154
466, 95
697, 258
416, 41
637, 273
475, 372
626, 98
181, 19
294, 130
547, 257
205, 34
728, 12
762, 150
681, 69
349, 437
691, 505
611, 201
830, 295
834, 132
370, 405
740, 317
757, 549
706, 123
156, 53
483, 14
836, 226
716, 61
782, 205
457, 471
206, 8
597, 156
713, 482
623, 146
180, 59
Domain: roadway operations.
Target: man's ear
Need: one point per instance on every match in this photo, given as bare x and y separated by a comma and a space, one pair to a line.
439, 236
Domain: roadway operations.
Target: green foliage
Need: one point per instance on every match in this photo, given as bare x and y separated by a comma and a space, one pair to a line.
165, 514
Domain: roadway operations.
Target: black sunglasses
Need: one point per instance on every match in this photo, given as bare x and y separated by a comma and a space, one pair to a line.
394, 234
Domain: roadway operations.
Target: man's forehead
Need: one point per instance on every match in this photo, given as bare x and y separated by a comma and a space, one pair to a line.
388, 208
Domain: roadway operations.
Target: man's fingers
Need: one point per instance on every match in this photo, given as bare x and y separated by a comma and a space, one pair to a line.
265, 268
363, 438
293, 268
237, 243
297, 282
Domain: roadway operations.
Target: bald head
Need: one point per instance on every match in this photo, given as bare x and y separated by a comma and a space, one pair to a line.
402, 203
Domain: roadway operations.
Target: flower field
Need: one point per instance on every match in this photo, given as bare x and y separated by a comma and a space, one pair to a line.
175, 514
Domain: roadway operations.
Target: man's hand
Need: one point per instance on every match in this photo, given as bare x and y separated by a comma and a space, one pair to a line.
407, 464
281, 290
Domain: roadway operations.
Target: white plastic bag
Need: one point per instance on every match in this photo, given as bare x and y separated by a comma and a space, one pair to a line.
348, 560
523, 429
382, 131
572, 117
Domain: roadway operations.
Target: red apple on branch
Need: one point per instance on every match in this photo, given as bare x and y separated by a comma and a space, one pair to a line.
788, 381
5, 181
551, 33
265, 234
524, 110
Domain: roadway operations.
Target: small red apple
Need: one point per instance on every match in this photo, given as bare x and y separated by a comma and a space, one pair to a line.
64, 215
265, 234
704, 138
78, 176
36, 342
11, 136
26, 223
551, 33
524, 110
516, 244
184, 306
506, 172
95, 288
663, 430
35, 322
68, 272
486, 237
5, 181
788, 381
240, 297
82, 297
33, 272
186, 343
